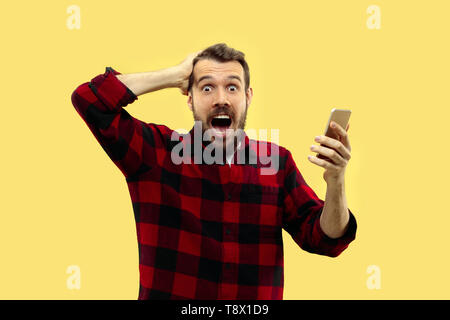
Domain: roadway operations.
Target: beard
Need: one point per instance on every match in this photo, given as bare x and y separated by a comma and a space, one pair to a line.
235, 126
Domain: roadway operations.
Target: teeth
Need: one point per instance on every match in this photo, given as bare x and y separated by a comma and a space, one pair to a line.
222, 116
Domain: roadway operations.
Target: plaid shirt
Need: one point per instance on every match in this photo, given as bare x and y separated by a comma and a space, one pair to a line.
204, 231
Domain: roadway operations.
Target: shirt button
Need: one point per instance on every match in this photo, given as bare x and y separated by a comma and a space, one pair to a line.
227, 266
228, 196
228, 231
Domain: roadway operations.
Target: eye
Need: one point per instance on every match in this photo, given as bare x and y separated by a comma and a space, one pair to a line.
206, 86
235, 87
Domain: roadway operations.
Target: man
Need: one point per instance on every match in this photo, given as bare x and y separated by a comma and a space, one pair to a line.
213, 230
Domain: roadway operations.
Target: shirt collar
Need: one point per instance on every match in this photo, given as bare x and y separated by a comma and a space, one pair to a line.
243, 146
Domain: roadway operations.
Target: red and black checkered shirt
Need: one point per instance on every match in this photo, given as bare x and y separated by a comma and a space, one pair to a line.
205, 231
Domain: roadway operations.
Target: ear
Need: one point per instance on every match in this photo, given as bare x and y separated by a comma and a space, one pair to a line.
189, 101
249, 96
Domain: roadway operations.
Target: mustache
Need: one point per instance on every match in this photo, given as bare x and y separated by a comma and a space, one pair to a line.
221, 110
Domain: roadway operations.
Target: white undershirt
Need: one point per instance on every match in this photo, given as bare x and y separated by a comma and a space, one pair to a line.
232, 155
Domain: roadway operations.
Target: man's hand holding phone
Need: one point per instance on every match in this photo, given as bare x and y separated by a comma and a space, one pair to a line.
333, 152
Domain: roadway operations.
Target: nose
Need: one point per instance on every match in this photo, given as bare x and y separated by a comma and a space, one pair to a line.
221, 98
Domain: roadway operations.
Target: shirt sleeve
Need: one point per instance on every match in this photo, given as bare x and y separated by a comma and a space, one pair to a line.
301, 216
100, 104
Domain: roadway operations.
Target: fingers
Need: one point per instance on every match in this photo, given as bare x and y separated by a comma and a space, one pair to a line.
331, 154
342, 134
322, 163
336, 150
193, 55
333, 145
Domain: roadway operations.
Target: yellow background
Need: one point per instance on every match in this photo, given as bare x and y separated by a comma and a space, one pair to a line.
63, 201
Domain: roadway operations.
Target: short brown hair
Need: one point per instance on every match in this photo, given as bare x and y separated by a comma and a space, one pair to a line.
222, 53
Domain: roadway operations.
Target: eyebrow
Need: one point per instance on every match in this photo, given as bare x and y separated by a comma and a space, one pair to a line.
209, 77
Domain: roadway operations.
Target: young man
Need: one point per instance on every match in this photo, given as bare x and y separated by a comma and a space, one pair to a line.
213, 229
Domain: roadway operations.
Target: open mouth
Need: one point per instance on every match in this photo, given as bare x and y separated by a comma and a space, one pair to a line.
221, 122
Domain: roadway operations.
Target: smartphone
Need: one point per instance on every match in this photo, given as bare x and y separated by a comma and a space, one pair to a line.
341, 117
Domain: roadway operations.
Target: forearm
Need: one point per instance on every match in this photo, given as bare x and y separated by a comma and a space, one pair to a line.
335, 215
144, 82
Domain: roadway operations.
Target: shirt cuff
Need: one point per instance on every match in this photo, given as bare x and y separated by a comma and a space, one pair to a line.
337, 245
111, 91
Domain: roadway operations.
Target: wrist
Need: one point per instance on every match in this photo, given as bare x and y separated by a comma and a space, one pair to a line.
336, 181
177, 76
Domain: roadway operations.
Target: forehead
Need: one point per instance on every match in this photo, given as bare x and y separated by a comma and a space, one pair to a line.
217, 70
